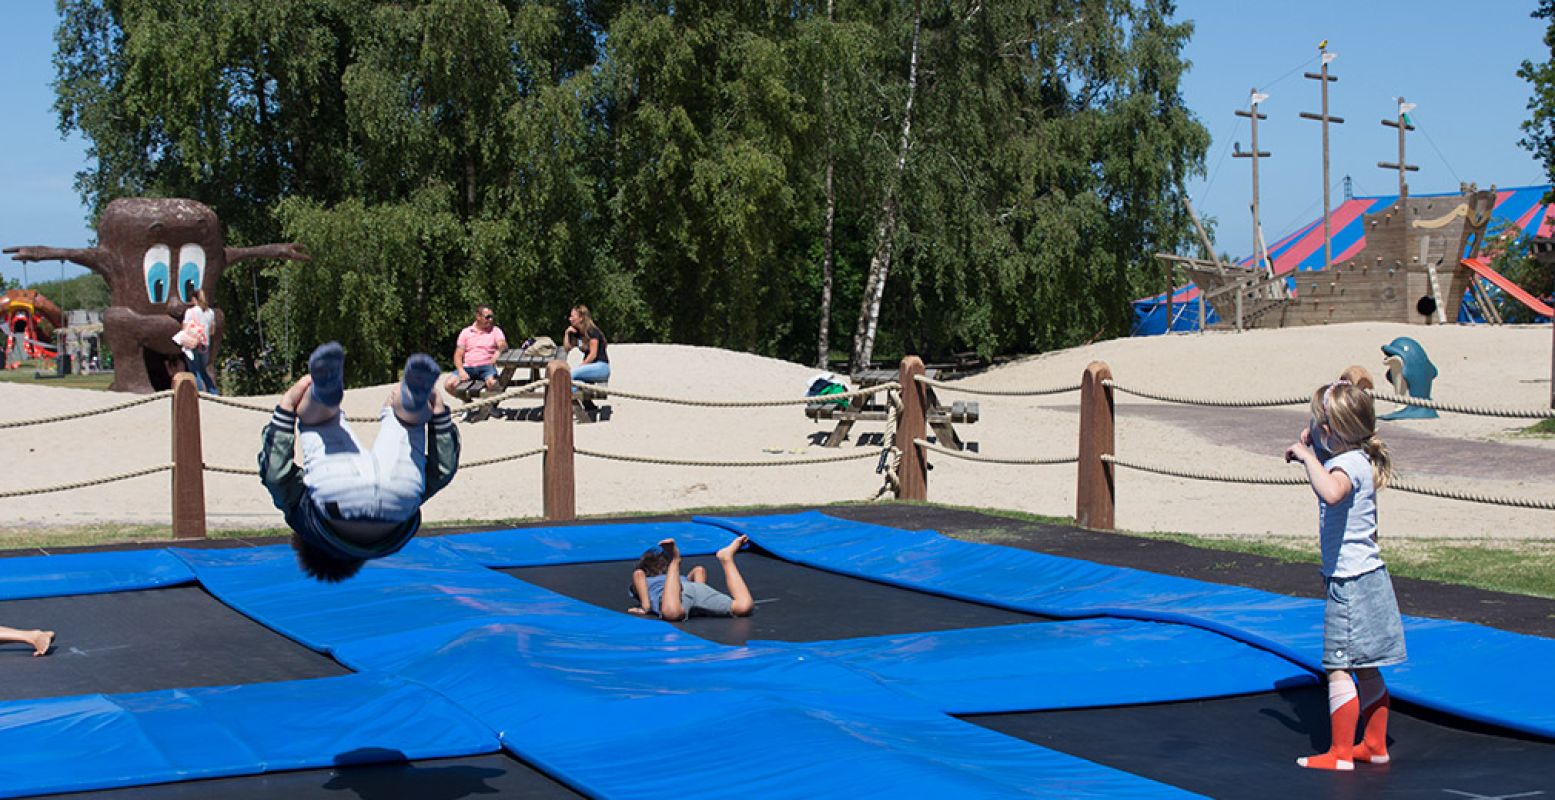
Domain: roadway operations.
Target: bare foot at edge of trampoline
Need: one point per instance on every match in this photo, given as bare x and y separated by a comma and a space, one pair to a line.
41, 642
726, 553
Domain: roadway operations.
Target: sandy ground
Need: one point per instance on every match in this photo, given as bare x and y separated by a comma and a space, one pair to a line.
1498, 366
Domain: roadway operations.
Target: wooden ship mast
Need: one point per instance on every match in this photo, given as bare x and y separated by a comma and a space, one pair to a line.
1409, 271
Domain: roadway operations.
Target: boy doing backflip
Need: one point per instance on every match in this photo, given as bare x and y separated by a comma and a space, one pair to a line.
347, 504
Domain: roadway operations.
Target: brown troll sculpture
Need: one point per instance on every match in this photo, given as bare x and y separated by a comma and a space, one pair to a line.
154, 254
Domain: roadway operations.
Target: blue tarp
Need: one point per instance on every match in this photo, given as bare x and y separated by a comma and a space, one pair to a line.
576, 544
90, 573
1150, 313
454, 658
1448, 659
1080, 664
582, 690
99, 741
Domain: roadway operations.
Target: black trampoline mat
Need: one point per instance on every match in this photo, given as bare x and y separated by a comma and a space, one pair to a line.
794, 603
1246, 747
495, 775
147, 640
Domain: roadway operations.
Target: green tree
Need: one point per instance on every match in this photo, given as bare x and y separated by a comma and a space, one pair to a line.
1539, 128
688, 169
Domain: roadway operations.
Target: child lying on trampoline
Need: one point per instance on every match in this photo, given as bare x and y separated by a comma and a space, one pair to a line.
658, 587
347, 504
40, 640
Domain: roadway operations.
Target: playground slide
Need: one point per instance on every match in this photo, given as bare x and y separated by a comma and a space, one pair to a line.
1481, 267
31, 300
23, 310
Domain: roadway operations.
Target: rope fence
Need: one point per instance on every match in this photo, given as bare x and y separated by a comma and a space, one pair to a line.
967, 455
65, 487
1204, 475
595, 389
250, 471
486, 462
1189, 400
901, 460
1401, 484
995, 392
686, 462
1301, 400
139, 401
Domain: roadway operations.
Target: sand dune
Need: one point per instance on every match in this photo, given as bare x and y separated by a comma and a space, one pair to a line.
1496, 366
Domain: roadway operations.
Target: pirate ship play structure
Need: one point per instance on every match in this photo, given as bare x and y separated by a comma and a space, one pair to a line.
1392, 258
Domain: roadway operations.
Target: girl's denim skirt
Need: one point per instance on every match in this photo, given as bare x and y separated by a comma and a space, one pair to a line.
1361, 624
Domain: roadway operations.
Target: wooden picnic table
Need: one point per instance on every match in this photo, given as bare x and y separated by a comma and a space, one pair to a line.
507, 364
872, 408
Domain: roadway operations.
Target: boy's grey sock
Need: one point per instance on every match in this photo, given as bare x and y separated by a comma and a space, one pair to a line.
327, 366
420, 379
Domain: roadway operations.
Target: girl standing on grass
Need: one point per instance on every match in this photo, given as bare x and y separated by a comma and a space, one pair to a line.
1362, 629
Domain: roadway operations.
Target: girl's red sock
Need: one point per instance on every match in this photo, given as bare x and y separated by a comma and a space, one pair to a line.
1344, 711
1374, 698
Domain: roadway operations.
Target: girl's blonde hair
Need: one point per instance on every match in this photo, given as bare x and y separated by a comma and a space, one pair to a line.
199, 297
1351, 417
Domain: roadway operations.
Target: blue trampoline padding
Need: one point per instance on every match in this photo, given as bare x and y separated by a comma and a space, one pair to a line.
1077, 664
89, 573
1448, 659
427, 585
574, 544
757, 744
92, 742
597, 710
553, 675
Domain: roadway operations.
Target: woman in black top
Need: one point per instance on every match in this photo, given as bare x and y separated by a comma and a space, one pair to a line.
587, 336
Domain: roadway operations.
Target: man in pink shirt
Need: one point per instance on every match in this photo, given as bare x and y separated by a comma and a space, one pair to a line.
475, 355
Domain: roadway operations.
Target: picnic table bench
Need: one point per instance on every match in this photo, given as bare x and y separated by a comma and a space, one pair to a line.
870, 408
508, 364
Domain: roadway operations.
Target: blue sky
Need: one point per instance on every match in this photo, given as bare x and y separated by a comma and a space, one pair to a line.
1457, 61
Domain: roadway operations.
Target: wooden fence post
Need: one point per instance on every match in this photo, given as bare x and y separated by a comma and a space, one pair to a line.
188, 461
1095, 492
560, 493
913, 480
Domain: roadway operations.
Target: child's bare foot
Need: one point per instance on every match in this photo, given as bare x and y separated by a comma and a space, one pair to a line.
41, 642
669, 548
728, 550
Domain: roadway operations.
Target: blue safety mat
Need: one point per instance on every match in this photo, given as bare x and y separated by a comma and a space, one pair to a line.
454, 658
102, 741
1448, 659
1054, 665
90, 573
581, 690
576, 544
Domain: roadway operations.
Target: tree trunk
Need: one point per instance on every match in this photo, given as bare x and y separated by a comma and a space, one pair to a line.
823, 340
823, 343
885, 231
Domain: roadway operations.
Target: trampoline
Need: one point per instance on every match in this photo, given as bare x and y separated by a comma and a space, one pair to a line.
880, 660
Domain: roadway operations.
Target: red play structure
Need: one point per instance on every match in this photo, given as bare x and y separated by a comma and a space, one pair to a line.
30, 320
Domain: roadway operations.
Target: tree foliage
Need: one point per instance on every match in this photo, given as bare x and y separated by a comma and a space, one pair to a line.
661, 161
1539, 138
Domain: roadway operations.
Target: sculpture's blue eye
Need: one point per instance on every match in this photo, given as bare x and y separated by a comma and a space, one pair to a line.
191, 272
157, 273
